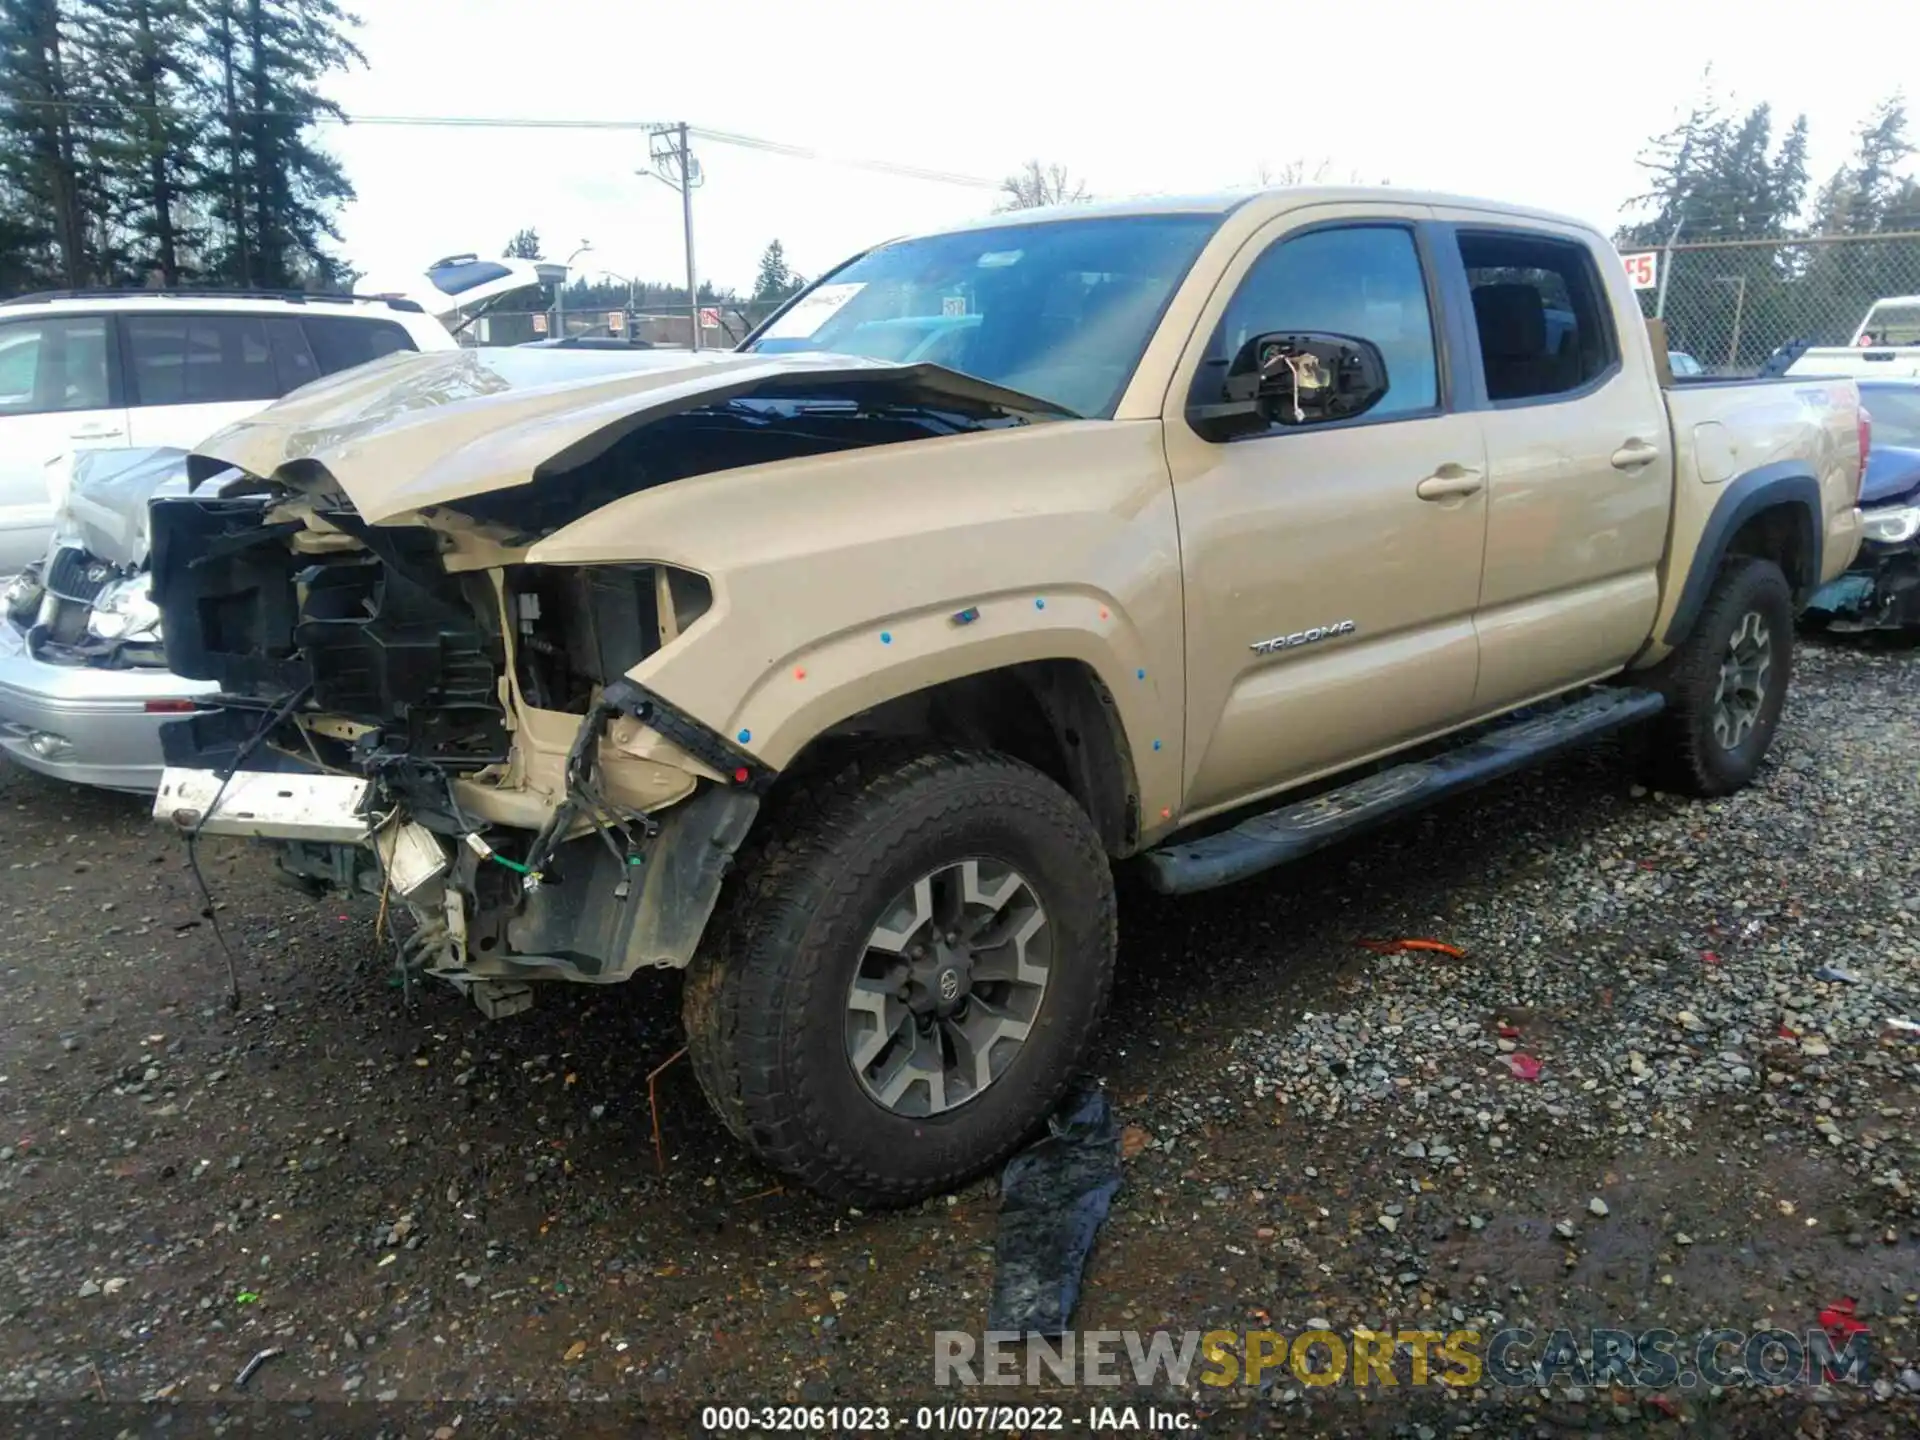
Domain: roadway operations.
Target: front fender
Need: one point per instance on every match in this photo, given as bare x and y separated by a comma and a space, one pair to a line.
842, 581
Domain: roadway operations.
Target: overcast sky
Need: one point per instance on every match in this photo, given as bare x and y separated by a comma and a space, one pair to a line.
1544, 102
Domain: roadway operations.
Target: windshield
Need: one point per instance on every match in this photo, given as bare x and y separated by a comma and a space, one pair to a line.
1059, 309
1896, 414
1892, 325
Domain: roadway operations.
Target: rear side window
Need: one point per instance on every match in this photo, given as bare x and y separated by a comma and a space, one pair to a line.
1543, 324
50, 365
340, 342
200, 359
293, 360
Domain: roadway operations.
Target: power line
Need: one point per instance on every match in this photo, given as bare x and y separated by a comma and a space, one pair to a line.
512, 122
482, 122
802, 152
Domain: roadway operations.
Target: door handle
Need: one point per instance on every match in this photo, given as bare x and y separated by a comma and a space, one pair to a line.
1450, 482
1634, 454
97, 432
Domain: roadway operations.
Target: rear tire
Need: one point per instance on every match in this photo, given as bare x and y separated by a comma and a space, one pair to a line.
848, 905
1726, 683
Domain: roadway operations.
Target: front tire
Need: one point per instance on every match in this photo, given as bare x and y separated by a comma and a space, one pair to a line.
905, 973
1726, 683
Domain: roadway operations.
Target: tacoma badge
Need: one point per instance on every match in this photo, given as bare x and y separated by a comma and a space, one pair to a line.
1302, 637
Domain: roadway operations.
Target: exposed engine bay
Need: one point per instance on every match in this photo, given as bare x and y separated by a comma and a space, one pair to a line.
501, 775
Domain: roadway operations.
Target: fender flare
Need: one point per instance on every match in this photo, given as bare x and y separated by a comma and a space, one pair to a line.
1785, 484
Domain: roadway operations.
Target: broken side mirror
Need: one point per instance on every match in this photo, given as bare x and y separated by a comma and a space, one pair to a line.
1292, 379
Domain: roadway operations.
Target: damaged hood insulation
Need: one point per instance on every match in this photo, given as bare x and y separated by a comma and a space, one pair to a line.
534, 440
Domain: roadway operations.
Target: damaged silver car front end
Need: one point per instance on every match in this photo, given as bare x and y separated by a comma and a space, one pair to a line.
1881, 590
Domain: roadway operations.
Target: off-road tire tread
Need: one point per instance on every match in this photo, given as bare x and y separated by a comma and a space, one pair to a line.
1689, 676
790, 874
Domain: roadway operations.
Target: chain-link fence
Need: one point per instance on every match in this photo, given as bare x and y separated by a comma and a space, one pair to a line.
1730, 304
722, 324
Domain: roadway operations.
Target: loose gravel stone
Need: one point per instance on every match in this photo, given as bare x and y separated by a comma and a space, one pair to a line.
411, 1201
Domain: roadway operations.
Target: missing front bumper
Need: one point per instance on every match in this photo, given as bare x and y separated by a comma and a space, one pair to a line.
590, 916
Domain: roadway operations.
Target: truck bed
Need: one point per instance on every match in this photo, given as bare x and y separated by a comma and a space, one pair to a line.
1733, 433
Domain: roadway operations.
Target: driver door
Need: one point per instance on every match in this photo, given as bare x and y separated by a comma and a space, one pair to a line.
1305, 528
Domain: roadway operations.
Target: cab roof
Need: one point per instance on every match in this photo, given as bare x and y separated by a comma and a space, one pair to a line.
1276, 198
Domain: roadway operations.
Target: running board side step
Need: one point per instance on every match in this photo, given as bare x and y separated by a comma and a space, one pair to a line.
1278, 836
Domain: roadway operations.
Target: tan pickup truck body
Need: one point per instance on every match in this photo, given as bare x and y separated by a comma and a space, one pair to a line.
568, 631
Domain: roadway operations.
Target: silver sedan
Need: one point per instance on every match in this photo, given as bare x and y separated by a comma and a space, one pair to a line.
84, 687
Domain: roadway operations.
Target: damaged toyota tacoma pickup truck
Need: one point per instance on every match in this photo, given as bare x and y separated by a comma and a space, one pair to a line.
842, 669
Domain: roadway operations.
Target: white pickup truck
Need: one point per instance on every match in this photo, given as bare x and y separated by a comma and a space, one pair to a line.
1885, 346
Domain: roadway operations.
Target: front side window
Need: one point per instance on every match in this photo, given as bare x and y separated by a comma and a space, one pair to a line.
1544, 327
1363, 281
47, 366
1059, 309
200, 359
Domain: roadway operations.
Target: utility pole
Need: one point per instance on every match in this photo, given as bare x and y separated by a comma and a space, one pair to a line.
1739, 282
560, 292
674, 165
1666, 266
686, 221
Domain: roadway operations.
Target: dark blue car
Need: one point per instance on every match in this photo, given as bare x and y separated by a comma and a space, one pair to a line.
1882, 589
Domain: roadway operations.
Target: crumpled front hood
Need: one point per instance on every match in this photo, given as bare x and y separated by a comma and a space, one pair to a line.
412, 430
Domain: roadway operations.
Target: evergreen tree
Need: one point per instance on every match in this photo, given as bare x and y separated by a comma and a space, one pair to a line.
23, 258
275, 192
1867, 196
149, 150
1787, 183
525, 245
1868, 193
44, 131
776, 280
1719, 177
1677, 163
1882, 151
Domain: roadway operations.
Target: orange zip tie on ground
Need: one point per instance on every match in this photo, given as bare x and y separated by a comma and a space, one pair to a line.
653, 1104
1395, 947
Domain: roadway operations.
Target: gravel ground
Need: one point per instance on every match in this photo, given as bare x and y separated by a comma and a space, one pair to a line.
417, 1208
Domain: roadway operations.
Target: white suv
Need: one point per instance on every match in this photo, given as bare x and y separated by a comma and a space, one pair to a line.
137, 379
105, 369
99, 370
